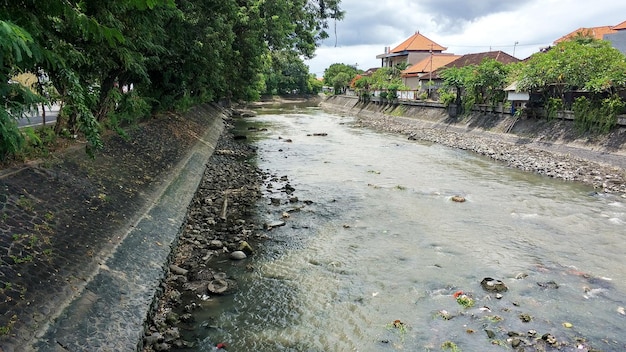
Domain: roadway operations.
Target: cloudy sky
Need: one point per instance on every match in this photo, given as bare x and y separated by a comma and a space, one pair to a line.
463, 26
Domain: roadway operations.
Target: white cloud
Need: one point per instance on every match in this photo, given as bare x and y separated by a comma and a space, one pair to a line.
370, 25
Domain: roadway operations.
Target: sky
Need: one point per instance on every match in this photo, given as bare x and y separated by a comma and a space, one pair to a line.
463, 26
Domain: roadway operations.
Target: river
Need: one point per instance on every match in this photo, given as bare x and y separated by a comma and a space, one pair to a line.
375, 238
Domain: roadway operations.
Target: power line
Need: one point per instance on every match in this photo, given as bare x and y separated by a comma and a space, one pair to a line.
491, 45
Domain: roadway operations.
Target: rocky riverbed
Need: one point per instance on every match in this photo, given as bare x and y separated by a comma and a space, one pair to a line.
220, 224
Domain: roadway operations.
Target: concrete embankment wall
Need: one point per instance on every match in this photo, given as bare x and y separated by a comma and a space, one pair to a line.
421, 115
558, 135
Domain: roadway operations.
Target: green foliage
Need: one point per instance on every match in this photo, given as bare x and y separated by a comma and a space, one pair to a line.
131, 108
287, 74
11, 140
597, 116
175, 53
593, 65
450, 346
385, 77
446, 97
345, 72
340, 82
553, 105
476, 84
314, 85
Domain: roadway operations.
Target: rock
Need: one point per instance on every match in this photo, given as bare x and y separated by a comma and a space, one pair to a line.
238, 255
178, 270
549, 338
245, 247
515, 342
458, 199
218, 286
171, 334
277, 223
216, 244
548, 284
493, 285
153, 339
162, 347
171, 318
525, 317
490, 333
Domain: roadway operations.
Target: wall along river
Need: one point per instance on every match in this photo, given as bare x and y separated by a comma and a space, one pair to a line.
375, 252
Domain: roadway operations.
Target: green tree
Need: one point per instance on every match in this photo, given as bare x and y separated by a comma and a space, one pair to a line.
175, 54
346, 72
287, 74
572, 65
582, 64
340, 82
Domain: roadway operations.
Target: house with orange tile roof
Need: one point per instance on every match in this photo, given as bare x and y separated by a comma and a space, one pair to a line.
410, 76
433, 79
618, 37
411, 51
615, 34
593, 32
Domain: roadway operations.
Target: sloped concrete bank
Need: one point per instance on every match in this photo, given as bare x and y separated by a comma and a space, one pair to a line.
552, 148
86, 243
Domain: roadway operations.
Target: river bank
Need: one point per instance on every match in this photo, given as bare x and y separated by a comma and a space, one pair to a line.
551, 148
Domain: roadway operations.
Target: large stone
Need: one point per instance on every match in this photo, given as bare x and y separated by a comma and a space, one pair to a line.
245, 247
493, 285
218, 286
238, 255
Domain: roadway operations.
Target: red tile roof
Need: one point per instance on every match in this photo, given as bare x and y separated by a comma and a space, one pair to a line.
417, 42
594, 32
620, 26
474, 59
477, 58
424, 66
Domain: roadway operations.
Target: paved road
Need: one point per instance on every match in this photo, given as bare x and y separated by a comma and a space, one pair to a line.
36, 118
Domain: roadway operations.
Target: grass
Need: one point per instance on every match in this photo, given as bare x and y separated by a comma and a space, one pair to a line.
5, 330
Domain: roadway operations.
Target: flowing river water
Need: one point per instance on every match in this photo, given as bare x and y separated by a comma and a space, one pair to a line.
375, 238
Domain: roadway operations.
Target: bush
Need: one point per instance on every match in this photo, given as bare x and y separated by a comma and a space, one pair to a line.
597, 116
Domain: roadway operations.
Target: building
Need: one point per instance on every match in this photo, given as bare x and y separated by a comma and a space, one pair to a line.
411, 76
617, 37
466, 60
411, 51
615, 34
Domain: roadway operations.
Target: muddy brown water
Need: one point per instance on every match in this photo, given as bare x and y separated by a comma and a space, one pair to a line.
380, 240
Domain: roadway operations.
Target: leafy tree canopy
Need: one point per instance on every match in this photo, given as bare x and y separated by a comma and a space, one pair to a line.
588, 64
173, 54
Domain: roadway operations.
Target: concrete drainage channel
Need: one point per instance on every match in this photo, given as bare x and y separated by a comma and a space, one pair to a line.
110, 313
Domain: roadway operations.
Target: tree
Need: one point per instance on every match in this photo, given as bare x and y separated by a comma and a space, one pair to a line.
591, 67
175, 54
340, 82
287, 74
572, 65
331, 73
476, 84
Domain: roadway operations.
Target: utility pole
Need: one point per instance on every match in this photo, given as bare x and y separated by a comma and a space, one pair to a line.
430, 74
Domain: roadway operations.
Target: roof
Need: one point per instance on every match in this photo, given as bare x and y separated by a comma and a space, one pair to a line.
427, 65
594, 32
370, 71
478, 58
417, 42
475, 59
619, 26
